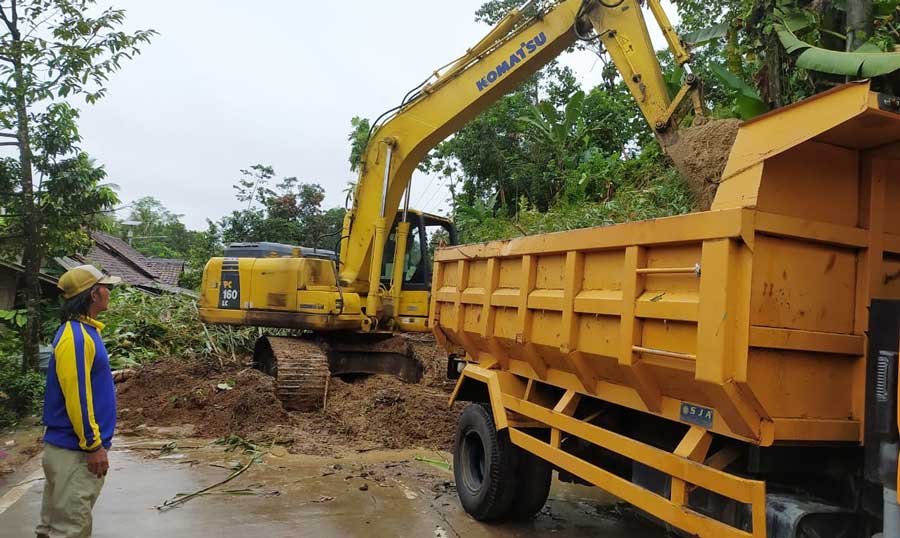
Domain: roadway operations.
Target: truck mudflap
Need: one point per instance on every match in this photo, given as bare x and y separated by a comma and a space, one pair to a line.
689, 467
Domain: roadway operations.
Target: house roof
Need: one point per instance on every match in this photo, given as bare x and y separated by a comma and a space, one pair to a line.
118, 258
19, 268
168, 269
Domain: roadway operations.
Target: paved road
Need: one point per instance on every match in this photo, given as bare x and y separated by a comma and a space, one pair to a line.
380, 494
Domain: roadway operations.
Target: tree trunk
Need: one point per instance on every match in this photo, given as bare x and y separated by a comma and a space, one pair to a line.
774, 62
31, 253
733, 53
860, 19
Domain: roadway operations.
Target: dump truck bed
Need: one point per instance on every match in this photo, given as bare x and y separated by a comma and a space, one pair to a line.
744, 326
753, 315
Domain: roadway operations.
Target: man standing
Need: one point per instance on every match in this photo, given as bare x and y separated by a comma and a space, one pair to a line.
79, 408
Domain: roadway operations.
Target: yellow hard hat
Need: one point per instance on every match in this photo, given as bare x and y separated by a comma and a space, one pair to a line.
80, 279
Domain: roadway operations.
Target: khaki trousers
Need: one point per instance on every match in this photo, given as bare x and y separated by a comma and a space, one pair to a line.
70, 491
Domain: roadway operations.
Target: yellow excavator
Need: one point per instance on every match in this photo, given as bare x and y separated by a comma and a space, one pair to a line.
352, 306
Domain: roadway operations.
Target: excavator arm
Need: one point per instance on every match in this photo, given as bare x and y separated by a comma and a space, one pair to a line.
522, 43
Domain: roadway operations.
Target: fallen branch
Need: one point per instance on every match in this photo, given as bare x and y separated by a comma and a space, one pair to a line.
242, 492
443, 465
161, 448
181, 499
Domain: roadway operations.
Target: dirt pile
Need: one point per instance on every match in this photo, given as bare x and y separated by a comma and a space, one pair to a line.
362, 413
200, 393
701, 153
383, 412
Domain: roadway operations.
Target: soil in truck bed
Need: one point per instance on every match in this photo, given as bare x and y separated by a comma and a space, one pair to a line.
701, 153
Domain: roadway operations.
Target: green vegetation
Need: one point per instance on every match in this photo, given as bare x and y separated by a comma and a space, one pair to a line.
765, 47
141, 328
52, 52
21, 394
644, 187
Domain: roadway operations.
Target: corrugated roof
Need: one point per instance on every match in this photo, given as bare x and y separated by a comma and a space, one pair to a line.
19, 268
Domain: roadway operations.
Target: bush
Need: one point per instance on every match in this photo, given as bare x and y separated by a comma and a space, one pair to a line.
21, 394
142, 328
639, 188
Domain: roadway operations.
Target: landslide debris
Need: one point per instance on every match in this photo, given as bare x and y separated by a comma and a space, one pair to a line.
700, 153
202, 398
200, 395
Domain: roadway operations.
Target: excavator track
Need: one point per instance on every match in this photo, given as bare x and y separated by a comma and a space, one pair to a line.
300, 368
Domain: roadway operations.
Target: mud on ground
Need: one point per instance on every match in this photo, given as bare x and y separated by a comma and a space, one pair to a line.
20, 444
203, 398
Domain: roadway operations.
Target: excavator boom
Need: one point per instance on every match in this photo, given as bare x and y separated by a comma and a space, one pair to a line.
521, 44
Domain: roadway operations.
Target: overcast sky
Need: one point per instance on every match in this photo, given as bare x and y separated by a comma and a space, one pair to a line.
229, 84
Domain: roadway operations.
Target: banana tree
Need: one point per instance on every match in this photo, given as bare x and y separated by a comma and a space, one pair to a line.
867, 61
559, 132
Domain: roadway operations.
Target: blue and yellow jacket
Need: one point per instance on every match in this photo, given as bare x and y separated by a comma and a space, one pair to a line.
80, 402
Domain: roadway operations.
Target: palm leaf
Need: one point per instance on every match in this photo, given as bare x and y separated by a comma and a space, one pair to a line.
735, 82
673, 80
573, 108
855, 64
748, 102
537, 125
793, 20
704, 36
548, 111
868, 46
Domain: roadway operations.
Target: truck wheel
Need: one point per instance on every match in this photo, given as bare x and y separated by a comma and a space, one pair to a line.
483, 465
534, 476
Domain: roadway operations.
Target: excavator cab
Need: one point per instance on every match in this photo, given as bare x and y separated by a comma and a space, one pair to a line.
408, 275
427, 232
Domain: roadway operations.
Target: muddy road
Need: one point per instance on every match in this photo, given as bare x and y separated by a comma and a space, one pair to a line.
373, 494
374, 463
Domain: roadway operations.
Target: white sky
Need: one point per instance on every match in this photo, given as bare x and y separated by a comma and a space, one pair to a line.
229, 84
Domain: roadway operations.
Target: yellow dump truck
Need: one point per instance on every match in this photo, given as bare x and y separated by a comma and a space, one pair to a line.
731, 373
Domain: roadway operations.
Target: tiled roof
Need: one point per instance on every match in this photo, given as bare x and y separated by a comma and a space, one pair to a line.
118, 258
167, 269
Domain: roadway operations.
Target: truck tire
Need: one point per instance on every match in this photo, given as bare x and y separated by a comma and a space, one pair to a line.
533, 476
484, 465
